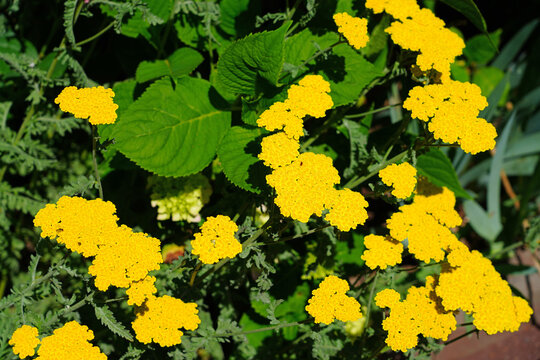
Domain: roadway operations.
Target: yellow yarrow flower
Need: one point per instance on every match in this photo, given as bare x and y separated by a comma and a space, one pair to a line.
278, 150
216, 240
346, 209
419, 313
309, 100
161, 318
452, 110
94, 103
353, 29
381, 251
24, 341
402, 177
399, 9
472, 284
81, 225
280, 117
127, 258
70, 342
141, 290
303, 186
329, 302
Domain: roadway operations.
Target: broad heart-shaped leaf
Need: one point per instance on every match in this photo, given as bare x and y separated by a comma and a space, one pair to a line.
238, 155
173, 132
238, 16
251, 63
182, 62
123, 97
347, 71
439, 170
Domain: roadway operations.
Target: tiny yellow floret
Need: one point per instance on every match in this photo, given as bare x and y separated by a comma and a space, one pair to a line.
353, 29
95, 104
24, 341
216, 240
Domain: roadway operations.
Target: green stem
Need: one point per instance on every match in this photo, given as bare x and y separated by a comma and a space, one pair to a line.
360, 115
370, 301
355, 181
94, 161
298, 236
269, 328
334, 117
96, 35
461, 336
3, 284
194, 274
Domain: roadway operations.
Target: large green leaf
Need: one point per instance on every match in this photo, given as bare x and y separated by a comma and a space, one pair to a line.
238, 155
238, 16
182, 62
479, 48
347, 71
485, 225
124, 93
173, 132
514, 45
439, 170
249, 64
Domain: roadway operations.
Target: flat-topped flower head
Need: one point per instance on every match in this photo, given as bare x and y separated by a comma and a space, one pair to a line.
278, 150
330, 301
70, 342
381, 251
160, 319
420, 313
127, 258
401, 177
354, 29
141, 290
95, 104
83, 226
452, 109
24, 341
279, 117
216, 240
346, 209
399, 9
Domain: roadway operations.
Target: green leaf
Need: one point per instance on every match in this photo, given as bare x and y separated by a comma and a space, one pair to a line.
69, 15
439, 170
513, 46
238, 155
494, 98
485, 225
494, 183
479, 48
528, 144
249, 64
459, 70
347, 71
469, 9
124, 93
4, 112
488, 78
105, 315
510, 269
182, 62
238, 16
173, 132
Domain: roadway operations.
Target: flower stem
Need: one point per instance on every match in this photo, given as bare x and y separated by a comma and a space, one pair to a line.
96, 170
96, 35
355, 181
269, 328
461, 336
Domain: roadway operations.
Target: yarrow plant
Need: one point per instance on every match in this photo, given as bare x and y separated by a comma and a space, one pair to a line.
306, 183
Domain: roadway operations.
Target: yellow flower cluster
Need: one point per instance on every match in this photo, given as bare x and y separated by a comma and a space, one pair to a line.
419, 313
426, 221
141, 290
94, 103
452, 110
121, 256
24, 341
83, 226
381, 251
402, 177
216, 240
472, 284
304, 183
70, 342
180, 199
161, 318
451, 107
420, 30
353, 29
329, 302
